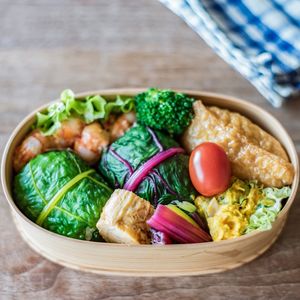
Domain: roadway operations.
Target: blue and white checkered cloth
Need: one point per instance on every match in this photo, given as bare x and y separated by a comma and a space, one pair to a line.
259, 38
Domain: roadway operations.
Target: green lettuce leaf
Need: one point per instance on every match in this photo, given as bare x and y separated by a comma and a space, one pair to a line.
89, 109
61, 193
268, 208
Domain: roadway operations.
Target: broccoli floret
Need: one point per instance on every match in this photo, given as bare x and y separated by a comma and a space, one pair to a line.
164, 110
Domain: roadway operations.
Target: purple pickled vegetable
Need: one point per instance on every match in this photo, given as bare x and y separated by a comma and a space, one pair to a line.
176, 226
160, 238
195, 216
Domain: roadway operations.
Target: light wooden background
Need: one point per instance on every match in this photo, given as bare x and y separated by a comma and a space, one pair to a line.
50, 45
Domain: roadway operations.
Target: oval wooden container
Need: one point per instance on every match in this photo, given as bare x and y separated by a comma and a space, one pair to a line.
148, 260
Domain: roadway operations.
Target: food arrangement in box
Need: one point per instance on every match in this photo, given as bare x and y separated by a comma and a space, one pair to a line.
158, 168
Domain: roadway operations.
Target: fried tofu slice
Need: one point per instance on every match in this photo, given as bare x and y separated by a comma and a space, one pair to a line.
254, 134
253, 162
123, 219
253, 153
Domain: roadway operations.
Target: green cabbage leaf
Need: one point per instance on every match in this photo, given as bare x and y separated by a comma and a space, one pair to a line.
59, 192
268, 208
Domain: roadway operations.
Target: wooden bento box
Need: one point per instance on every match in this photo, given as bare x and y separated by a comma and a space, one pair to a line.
150, 260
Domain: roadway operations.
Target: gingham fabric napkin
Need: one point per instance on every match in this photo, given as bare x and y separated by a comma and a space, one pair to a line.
259, 38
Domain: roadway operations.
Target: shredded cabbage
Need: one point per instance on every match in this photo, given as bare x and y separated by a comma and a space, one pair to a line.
267, 208
89, 109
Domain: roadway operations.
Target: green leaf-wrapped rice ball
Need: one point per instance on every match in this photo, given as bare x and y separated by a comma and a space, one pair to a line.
59, 192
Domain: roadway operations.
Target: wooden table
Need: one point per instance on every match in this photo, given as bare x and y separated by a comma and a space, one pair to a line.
49, 45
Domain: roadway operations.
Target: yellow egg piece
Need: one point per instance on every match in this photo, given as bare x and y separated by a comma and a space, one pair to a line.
228, 214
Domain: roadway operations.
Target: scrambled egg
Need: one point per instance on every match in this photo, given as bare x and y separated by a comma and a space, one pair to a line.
228, 214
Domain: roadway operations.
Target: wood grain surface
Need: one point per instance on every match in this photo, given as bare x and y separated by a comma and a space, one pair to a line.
49, 45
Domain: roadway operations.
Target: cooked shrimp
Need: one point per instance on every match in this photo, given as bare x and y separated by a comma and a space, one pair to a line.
93, 140
121, 125
36, 143
109, 122
29, 148
67, 134
88, 141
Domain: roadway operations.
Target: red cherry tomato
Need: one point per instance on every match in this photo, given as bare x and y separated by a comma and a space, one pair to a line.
209, 169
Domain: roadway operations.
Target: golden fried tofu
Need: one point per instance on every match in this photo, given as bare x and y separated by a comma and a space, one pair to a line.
123, 219
254, 154
255, 135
